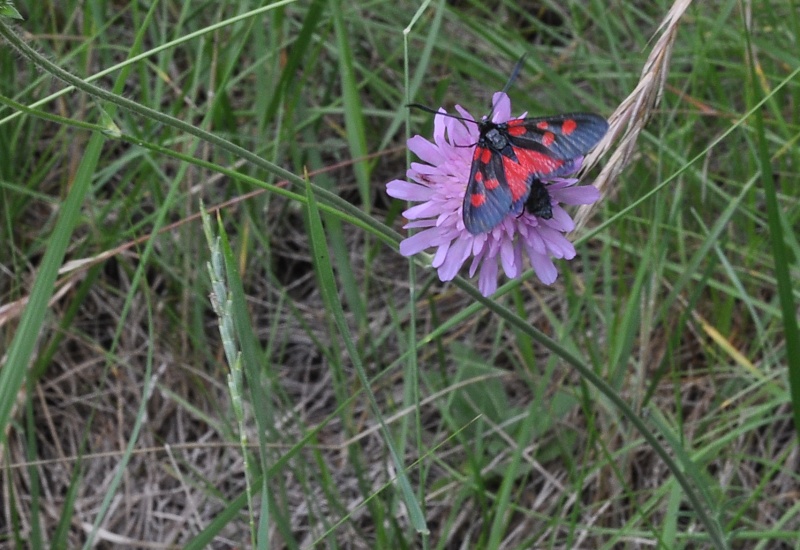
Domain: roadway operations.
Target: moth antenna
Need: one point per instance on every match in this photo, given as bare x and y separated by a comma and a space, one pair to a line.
511, 79
515, 72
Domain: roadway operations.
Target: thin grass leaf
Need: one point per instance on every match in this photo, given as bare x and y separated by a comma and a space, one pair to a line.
353, 115
780, 253
708, 360
20, 352
319, 247
511, 474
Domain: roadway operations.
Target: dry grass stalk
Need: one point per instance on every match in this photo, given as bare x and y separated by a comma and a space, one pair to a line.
630, 118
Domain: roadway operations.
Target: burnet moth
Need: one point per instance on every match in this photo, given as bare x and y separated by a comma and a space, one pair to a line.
512, 158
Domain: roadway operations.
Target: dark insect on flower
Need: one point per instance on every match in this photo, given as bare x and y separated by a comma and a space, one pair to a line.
512, 158
492, 190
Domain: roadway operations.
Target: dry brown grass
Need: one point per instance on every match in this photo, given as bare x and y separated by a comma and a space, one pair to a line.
186, 464
631, 116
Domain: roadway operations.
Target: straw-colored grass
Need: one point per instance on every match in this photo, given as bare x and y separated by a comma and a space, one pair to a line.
279, 376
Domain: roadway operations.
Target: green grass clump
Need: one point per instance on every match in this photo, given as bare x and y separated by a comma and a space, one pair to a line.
284, 378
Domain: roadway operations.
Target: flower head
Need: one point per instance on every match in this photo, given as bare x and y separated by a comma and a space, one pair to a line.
439, 183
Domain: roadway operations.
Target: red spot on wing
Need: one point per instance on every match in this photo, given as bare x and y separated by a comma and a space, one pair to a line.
478, 177
477, 199
530, 163
491, 184
516, 127
517, 176
568, 126
543, 125
485, 154
548, 138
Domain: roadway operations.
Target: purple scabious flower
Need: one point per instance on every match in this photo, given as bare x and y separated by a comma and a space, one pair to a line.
439, 183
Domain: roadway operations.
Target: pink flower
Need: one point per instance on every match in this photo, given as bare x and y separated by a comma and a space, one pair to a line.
439, 183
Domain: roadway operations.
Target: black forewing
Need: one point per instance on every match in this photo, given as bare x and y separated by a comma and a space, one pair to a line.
483, 218
589, 130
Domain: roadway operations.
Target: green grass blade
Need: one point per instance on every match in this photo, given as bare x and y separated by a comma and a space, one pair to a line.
353, 113
780, 249
20, 352
319, 247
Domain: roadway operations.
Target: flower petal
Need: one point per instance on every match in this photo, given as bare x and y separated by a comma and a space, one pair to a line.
403, 190
487, 280
561, 221
420, 210
557, 244
478, 244
417, 242
425, 150
507, 256
441, 255
416, 224
459, 252
544, 267
420, 169
501, 107
584, 194
440, 122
